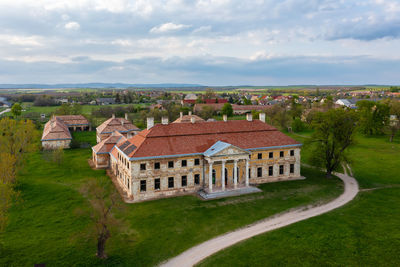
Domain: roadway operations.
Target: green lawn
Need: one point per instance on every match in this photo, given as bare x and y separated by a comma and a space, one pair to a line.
86, 109
45, 228
365, 232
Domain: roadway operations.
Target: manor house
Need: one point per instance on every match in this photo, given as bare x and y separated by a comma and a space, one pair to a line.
170, 159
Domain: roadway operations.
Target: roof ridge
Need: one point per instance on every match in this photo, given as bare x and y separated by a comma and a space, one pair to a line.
224, 132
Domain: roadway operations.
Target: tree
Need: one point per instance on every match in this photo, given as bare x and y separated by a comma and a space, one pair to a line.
117, 98
64, 109
76, 109
209, 93
246, 101
58, 156
102, 203
227, 110
16, 138
373, 117
334, 133
16, 110
296, 108
207, 112
394, 124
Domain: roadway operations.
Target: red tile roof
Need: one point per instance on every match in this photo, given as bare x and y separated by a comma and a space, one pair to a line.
107, 144
116, 124
55, 129
71, 120
190, 138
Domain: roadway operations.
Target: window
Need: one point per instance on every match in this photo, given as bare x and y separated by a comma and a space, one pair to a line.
291, 153
170, 182
142, 185
271, 155
249, 173
143, 166
270, 170
259, 156
291, 168
157, 184
184, 180
170, 164
184, 163
281, 169
196, 162
197, 179
259, 172
157, 165
128, 183
281, 154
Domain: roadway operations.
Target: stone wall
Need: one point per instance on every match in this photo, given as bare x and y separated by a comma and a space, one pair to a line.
55, 144
101, 160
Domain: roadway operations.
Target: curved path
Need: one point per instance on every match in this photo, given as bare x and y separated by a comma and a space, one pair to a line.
196, 254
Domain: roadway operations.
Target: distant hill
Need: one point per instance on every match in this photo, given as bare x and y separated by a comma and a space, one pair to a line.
95, 85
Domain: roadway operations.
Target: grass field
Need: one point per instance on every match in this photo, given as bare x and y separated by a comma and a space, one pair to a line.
365, 232
86, 109
45, 228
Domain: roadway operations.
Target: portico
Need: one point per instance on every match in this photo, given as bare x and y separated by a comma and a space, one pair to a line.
228, 167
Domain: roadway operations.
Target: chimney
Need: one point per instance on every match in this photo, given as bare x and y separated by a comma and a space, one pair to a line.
164, 120
190, 113
192, 119
225, 117
261, 116
249, 116
122, 122
113, 116
150, 122
126, 116
181, 114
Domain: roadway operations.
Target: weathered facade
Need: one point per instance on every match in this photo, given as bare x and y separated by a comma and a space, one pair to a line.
181, 158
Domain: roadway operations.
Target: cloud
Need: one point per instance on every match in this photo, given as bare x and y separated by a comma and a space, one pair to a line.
208, 70
73, 25
209, 41
168, 27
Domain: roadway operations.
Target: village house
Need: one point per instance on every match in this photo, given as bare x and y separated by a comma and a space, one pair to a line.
56, 132
122, 125
214, 159
237, 109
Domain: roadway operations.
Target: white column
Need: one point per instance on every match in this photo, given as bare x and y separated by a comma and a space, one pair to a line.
235, 174
210, 186
223, 175
247, 172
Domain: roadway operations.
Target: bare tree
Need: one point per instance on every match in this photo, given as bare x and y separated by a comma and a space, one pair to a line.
102, 203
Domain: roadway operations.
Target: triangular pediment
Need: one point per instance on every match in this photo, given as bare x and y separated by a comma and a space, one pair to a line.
224, 149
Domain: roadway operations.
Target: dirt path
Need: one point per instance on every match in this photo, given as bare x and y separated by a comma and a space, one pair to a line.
196, 254
4, 111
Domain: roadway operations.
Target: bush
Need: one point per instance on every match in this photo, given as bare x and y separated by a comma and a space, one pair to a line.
75, 143
298, 125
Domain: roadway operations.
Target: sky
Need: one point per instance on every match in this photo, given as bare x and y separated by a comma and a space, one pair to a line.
209, 42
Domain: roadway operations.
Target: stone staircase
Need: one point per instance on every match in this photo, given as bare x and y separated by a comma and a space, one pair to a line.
228, 192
